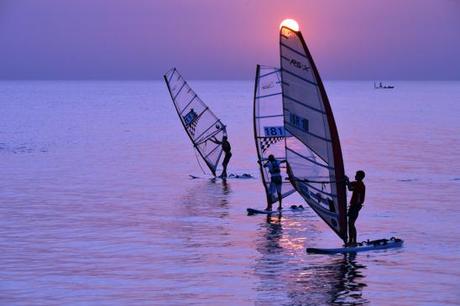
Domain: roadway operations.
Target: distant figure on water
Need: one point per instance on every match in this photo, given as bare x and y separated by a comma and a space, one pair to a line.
227, 148
356, 203
276, 180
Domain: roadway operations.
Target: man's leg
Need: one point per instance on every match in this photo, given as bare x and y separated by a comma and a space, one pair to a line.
269, 206
279, 182
225, 164
272, 191
351, 230
280, 199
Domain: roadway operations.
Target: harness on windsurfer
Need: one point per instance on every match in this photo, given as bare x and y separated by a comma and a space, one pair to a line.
227, 148
356, 203
276, 180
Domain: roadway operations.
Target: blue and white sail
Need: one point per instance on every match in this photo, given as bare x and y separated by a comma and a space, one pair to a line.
199, 122
269, 133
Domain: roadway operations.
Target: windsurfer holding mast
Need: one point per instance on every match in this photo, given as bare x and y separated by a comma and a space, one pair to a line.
276, 180
356, 203
227, 148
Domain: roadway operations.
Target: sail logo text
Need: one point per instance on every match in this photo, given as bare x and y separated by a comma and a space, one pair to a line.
274, 131
298, 122
299, 65
268, 85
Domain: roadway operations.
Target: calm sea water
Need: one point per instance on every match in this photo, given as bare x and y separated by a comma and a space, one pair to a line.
97, 207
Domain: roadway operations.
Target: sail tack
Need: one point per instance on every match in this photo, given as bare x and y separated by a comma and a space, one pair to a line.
313, 152
269, 133
199, 122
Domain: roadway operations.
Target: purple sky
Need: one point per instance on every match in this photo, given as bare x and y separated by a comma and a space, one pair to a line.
210, 39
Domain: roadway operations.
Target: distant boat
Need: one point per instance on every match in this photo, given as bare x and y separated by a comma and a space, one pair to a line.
381, 86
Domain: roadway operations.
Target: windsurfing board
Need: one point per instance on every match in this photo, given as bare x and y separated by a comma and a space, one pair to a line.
369, 245
293, 208
232, 176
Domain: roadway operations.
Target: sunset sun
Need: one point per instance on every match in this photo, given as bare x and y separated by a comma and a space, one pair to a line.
290, 23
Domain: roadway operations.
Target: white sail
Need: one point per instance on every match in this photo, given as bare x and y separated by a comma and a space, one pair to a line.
269, 133
313, 153
199, 122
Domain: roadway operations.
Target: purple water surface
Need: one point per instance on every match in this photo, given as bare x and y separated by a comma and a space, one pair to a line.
97, 206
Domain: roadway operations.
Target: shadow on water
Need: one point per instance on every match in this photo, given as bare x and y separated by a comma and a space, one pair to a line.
287, 280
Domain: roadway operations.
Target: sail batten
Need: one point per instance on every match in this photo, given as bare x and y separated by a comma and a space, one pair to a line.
304, 105
301, 78
313, 152
199, 122
270, 95
269, 132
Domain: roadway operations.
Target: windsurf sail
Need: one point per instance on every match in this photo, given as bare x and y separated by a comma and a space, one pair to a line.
313, 152
200, 123
269, 130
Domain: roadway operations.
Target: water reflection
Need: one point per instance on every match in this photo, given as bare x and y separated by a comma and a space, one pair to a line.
207, 198
306, 281
349, 289
272, 235
197, 222
226, 190
270, 266
339, 282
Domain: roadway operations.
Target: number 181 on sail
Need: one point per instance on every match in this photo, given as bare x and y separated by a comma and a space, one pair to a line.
274, 131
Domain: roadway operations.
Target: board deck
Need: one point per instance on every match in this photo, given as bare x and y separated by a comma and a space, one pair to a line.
293, 208
369, 245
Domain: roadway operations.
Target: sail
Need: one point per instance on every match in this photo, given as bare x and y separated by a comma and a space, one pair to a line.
313, 152
198, 120
269, 131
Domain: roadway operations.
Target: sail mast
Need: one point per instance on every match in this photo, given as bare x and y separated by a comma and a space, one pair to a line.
254, 121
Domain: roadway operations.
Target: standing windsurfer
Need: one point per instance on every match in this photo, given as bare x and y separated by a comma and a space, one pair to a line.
227, 151
276, 180
356, 203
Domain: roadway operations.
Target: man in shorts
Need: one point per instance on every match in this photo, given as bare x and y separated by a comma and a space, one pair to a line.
356, 203
227, 148
276, 181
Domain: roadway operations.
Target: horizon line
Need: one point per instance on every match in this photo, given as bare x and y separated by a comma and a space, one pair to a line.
220, 80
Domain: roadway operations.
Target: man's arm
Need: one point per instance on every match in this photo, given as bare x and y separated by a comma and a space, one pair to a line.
213, 139
348, 184
262, 164
351, 186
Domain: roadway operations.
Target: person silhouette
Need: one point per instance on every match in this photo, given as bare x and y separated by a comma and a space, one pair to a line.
227, 148
276, 180
356, 203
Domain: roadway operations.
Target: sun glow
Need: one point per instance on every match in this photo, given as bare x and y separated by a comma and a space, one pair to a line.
291, 24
